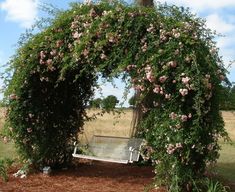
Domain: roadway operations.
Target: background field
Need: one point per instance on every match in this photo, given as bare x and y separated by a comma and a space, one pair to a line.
120, 126
226, 163
109, 124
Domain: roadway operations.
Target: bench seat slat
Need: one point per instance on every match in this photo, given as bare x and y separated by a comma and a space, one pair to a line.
111, 149
100, 159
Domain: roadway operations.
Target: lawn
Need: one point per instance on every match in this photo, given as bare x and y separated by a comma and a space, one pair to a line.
226, 162
7, 150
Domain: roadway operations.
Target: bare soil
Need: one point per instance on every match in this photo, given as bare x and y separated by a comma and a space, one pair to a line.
85, 177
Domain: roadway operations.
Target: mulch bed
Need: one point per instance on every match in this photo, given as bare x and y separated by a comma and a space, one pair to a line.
85, 177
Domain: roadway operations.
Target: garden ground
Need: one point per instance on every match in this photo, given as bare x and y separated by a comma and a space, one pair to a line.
85, 177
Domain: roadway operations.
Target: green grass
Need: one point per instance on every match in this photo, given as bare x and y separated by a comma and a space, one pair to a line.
7, 150
226, 162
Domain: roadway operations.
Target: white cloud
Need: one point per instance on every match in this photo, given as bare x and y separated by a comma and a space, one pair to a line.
227, 54
212, 4
225, 26
21, 11
226, 42
216, 22
201, 5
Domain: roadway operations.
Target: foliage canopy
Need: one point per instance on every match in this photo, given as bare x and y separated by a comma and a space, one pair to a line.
165, 53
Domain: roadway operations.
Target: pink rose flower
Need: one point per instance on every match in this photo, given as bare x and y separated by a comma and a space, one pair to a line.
185, 80
29, 130
49, 61
162, 79
144, 47
167, 96
41, 62
187, 59
139, 87
184, 118
112, 39
85, 52
103, 56
170, 148
178, 126
70, 46
157, 89
5, 139
209, 85
77, 35
42, 54
151, 28
59, 43
190, 115
172, 64
183, 92
53, 52
149, 73
150, 77
173, 115
155, 104
178, 145
148, 68
208, 76
13, 96
210, 147
222, 77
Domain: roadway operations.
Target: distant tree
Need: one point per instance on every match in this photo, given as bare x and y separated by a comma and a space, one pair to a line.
232, 97
227, 99
96, 103
109, 102
224, 98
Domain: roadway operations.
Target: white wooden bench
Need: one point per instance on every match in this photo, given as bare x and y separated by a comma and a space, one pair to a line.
110, 149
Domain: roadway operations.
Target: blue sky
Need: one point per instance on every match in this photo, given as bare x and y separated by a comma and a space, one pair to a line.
17, 15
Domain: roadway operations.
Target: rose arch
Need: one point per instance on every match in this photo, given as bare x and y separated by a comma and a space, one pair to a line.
165, 53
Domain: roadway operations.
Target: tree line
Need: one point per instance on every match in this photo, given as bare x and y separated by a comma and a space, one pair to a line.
107, 103
227, 101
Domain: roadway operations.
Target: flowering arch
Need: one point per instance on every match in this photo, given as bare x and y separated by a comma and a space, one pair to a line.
170, 59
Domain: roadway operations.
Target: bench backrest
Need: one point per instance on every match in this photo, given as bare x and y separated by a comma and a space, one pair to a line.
115, 147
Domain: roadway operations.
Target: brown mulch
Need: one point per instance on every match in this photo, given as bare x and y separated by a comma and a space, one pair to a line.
85, 177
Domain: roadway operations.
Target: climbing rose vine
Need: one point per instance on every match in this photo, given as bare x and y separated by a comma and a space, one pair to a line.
165, 53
